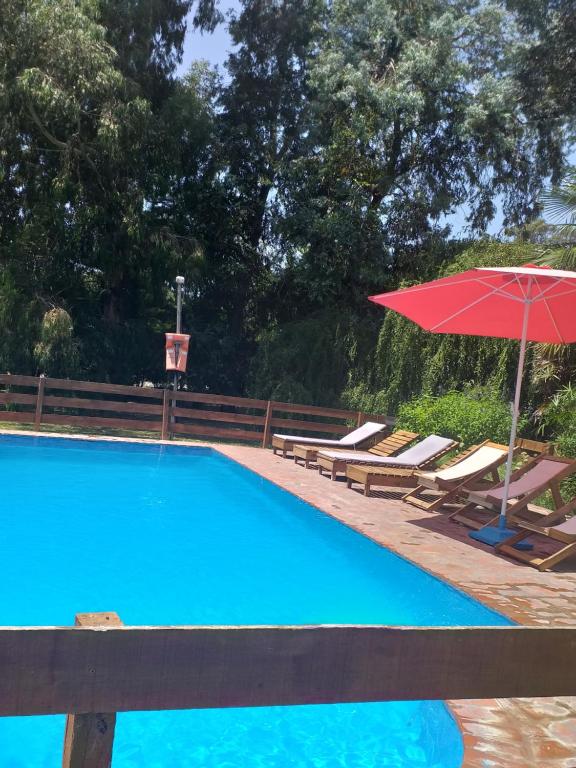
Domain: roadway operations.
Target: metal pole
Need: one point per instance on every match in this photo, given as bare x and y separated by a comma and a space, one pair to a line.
494, 535
515, 412
179, 288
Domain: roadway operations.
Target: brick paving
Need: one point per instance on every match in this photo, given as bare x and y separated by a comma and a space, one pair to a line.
501, 733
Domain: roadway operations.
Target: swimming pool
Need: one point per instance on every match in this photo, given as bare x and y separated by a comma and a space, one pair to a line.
180, 535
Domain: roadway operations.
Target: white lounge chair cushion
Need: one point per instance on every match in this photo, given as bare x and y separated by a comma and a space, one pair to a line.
359, 435
481, 459
411, 458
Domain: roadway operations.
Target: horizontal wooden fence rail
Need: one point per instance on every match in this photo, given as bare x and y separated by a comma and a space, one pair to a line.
49, 401
47, 670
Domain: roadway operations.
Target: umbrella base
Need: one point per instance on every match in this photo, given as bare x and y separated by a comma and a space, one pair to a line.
493, 535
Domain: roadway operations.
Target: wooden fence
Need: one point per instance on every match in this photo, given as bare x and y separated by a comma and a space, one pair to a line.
43, 401
99, 667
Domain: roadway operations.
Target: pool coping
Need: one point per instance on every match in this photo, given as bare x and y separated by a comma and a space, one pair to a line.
487, 726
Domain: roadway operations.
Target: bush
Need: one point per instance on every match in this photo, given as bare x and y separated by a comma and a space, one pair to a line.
470, 417
559, 423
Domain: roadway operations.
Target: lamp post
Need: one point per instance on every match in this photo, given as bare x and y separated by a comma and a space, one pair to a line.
179, 288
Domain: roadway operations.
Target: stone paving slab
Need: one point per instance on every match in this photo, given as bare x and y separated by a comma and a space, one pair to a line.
501, 733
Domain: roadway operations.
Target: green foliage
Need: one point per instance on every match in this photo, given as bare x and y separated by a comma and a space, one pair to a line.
309, 361
558, 423
319, 170
56, 353
470, 417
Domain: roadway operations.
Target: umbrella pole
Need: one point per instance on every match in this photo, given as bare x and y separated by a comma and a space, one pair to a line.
491, 534
515, 414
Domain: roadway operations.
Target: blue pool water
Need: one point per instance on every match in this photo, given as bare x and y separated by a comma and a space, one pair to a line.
176, 535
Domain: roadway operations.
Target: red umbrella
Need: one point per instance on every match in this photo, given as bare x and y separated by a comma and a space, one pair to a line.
528, 303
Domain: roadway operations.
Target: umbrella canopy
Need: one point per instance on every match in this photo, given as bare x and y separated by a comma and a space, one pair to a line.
527, 303
491, 301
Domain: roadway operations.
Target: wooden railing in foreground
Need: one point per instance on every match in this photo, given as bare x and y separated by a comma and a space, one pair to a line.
107, 668
42, 400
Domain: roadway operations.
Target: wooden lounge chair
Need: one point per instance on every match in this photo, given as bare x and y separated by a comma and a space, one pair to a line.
386, 447
359, 437
468, 470
422, 454
532, 479
391, 476
555, 527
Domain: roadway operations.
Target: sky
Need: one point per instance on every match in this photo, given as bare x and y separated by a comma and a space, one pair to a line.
215, 47
212, 47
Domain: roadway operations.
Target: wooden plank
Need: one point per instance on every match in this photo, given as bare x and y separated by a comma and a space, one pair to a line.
103, 422
267, 424
200, 430
214, 399
113, 406
534, 447
18, 398
23, 417
232, 418
19, 381
309, 426
72, 670
315, 410
109, 389
89, 738
39, 402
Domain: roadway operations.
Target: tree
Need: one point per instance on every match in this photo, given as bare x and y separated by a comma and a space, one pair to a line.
86, 172
546, 62
414, 114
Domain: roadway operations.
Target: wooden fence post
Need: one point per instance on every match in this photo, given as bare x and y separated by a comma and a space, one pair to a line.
266, 435
172, 419
39, 401
89, 739
165, 415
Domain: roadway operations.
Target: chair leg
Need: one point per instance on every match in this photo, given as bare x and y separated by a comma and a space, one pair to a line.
557, 557
333, 473
349, 482
459, 516
509, 543
367, 488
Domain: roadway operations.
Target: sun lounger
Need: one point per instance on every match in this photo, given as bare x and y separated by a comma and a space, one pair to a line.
418, 456
554, 527
538, 475
386, 447
358, 437
391, 476
469, 470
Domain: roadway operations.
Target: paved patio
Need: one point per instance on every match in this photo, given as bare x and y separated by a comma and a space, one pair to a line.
506, 733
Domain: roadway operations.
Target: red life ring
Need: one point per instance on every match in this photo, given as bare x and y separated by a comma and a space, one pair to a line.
177, 351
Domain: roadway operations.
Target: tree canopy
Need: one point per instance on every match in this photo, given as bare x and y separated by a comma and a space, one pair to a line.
323, 165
